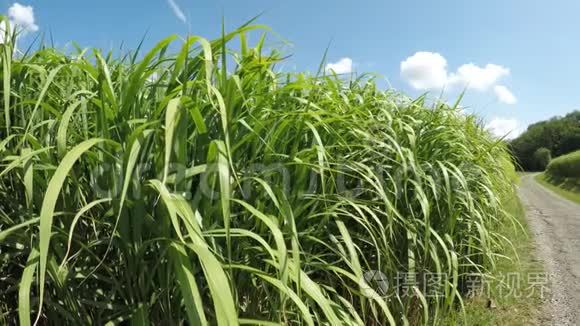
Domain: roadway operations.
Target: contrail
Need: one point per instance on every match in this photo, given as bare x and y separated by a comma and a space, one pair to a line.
177, 11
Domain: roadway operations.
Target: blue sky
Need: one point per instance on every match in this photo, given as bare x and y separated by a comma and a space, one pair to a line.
519, 59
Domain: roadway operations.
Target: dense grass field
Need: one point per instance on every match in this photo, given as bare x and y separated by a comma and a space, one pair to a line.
203, 185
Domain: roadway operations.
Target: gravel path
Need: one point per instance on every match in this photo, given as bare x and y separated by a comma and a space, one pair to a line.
555, 226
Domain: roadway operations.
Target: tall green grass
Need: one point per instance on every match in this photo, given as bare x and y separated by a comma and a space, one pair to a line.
565, 166
167, 188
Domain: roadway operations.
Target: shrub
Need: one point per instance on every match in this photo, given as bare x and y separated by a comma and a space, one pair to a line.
566, 166
173, 190
542, 157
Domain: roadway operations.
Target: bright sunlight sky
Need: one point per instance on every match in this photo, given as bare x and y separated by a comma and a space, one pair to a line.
518, 59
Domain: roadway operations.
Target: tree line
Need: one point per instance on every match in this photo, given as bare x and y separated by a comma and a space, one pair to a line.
557, 136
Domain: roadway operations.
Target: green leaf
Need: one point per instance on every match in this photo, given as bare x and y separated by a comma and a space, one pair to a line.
186, 280
24, 311
48, 207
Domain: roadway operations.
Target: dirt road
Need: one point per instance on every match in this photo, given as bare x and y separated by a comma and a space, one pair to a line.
555, 225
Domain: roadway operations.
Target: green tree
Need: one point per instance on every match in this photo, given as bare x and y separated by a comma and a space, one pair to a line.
542, 157
560, 135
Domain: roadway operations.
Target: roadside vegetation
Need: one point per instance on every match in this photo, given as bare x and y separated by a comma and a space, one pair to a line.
168, 188
510, 298
563, 176
559, 136
566, 166
567, 188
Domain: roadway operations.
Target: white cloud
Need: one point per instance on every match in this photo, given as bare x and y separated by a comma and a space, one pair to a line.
425, 70
500, 127
176, 10
428, 71
479, 78
342, 66
504, 95
22, 17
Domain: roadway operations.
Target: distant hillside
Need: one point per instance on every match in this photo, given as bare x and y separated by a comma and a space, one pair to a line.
561, 135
